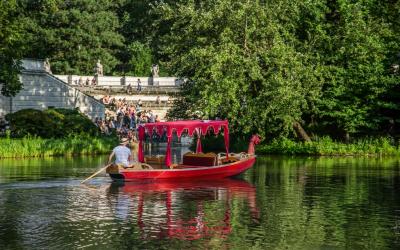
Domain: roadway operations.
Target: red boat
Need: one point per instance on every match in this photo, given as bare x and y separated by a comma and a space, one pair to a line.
196, 165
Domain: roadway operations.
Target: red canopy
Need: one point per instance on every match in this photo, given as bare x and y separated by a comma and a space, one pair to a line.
179, 127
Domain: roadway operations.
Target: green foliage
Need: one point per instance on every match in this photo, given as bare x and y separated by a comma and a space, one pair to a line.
51, 123
216, 144
136, 21
73, 122
73, 34
140, 59
29, 146
263, 65
11, 48
267, 64
326, 146
355, 68
210, 143
323, 146
182, 106
240, 65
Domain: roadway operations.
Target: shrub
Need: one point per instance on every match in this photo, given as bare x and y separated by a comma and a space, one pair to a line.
31, 146
30, 121
50, 123
326, 146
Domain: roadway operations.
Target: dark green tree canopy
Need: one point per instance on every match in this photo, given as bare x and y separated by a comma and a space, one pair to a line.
11, 48
271, 67
73, 34
243, 65
267, 65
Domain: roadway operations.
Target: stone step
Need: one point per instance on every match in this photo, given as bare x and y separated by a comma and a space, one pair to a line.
42, 98
39, 106
42, 83
115, 91
42, 92
47, 89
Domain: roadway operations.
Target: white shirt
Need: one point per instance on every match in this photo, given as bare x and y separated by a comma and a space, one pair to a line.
122, 154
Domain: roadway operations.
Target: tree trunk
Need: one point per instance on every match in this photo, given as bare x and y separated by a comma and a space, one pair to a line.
301, 132
347, 137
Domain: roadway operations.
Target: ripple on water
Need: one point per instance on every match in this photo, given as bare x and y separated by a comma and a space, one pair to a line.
284, 204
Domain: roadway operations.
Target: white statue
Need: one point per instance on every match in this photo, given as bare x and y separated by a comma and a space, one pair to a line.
154, 70
46, 65
99, 69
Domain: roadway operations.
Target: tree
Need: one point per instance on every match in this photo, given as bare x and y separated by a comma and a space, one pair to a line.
11, 48
355, 67
241, 61
140, 32
140, 59
73, 34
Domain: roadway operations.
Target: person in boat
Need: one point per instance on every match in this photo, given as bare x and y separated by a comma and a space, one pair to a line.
134, 146
122, 154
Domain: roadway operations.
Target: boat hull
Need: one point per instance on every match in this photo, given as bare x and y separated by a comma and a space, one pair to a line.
188, 172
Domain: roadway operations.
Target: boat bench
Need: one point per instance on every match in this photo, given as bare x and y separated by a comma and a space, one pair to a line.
199, 159
157, 162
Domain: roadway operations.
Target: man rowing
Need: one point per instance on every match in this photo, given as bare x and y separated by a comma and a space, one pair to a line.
122, 154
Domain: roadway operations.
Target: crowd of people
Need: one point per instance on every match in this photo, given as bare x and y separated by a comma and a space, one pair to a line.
87, 82
124, 116
113, 102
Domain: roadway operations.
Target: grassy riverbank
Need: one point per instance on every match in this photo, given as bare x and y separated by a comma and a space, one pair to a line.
326, 146
38, 147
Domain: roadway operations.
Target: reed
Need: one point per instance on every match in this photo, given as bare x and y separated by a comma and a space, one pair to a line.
30, 146
326, 146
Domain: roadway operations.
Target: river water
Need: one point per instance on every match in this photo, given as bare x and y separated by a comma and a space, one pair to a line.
281, 203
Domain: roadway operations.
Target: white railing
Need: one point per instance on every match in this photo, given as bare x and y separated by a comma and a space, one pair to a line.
120, 81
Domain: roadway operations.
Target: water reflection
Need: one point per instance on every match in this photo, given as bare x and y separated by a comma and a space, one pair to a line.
281, 203
184, 210
48, 168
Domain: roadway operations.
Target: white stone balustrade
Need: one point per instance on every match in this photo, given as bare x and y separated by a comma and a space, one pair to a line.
115, 81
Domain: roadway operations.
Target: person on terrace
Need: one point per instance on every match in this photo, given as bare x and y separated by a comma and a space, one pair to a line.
139, 85
129, 89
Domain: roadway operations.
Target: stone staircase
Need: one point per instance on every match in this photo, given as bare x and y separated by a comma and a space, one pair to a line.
42, 90
148, 96
163, 88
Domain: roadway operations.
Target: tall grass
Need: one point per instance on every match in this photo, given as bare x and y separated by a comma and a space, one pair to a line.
326, 146
37, 147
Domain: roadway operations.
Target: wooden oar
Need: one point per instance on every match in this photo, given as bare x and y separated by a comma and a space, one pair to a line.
98, 172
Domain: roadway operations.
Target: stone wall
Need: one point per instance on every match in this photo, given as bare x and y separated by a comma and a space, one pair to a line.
135, 98
42, 90
4, 105
122, 81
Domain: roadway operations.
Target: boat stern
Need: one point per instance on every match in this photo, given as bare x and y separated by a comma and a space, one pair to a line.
113, 172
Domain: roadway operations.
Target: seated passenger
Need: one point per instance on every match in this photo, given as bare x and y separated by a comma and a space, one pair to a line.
134, 145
